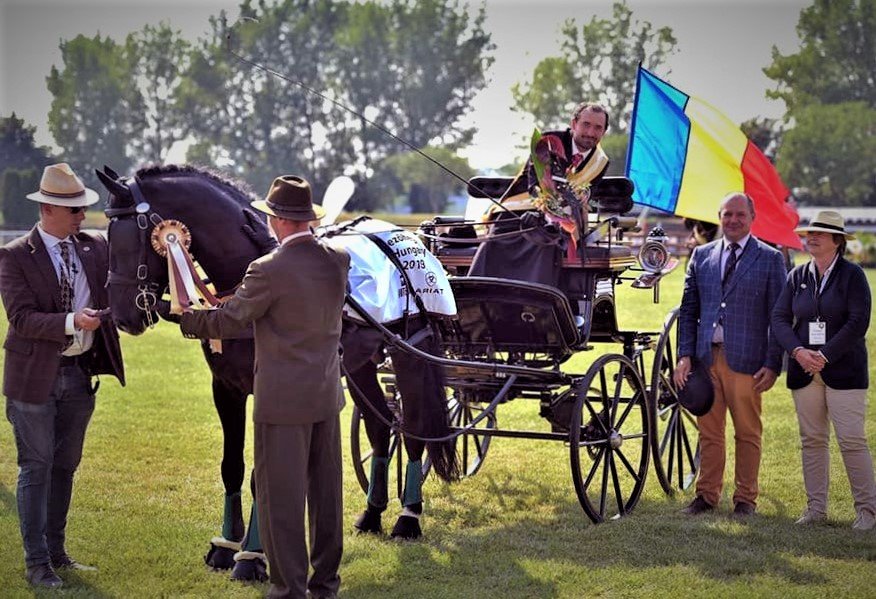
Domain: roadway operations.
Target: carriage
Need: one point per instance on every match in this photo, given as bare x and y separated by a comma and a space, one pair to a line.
513, 339
510, 339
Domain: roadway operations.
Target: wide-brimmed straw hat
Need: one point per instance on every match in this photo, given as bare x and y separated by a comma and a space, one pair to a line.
826, 221
61, 187
290, 198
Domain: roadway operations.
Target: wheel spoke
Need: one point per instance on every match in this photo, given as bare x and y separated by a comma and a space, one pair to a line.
366, 456
615, 400
690, 456
627, 465
605, 467
593, 468
617, 490
630, 405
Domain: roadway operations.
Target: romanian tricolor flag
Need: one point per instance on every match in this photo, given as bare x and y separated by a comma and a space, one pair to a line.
684, 156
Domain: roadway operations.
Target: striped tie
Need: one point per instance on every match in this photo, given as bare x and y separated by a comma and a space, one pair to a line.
731, 263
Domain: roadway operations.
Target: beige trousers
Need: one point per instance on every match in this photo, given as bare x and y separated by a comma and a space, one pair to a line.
817, 406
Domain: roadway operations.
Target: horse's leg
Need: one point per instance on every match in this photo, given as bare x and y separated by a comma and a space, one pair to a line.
364, 382
250, 563
421, 386
231, 407
360, 345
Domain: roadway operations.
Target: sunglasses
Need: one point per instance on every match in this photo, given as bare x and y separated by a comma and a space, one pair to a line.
77, 209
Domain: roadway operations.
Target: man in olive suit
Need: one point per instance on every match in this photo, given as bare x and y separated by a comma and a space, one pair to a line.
294, 296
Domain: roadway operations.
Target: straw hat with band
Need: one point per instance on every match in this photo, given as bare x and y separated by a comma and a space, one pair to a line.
61, 187
826, 221
289, 198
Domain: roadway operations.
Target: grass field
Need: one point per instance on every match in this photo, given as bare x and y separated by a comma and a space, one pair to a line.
149, 497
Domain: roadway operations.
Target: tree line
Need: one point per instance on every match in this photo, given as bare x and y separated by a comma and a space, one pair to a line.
412, 68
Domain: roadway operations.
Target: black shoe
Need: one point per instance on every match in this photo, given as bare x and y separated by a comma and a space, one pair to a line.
65, 562
743, 510
42, 575
697, 506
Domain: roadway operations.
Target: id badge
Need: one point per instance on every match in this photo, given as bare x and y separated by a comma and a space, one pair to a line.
817, 333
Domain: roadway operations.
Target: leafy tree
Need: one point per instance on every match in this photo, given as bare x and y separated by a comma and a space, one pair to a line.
597, 62
410, 66
97, 109
21, 164
15, 184
829, 90
831, 151
17, 146
765, 133
158, 56
837, 58
426, 186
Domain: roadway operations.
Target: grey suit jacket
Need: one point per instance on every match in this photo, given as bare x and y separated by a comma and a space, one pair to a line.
745, 303
294, 296
32, 298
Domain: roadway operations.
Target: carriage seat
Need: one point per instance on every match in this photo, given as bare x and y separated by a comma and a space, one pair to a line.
609, 194
503, 315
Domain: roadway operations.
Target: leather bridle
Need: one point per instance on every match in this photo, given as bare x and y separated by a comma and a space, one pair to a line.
146, 219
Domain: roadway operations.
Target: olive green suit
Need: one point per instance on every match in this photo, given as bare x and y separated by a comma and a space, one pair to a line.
294, 297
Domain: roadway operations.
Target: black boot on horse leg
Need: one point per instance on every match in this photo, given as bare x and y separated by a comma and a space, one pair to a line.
230, 403
408, 524
222, 549
369, 521
250, 563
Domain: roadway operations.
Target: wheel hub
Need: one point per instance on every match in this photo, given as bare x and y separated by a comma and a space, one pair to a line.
615, 439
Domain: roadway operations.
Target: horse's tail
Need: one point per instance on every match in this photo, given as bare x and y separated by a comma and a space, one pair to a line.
421, 385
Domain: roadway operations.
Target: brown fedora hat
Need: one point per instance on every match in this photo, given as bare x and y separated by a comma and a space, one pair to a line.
289, 198
60, 186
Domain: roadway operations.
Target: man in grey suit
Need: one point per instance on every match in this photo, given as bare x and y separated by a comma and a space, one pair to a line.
53, 284
294, 296
729, 291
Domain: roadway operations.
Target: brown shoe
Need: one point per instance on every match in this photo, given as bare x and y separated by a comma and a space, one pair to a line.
42, 575
697, 506
743, 510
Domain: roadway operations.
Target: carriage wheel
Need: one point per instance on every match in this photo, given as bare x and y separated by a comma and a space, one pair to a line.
471, 448
609, 438
676, 442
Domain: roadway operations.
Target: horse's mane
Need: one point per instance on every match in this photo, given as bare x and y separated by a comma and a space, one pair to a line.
240, 191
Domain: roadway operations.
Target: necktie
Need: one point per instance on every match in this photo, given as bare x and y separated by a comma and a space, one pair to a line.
66, 278
730, 267
66, 285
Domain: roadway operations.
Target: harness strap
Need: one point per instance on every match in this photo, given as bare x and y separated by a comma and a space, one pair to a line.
412, 292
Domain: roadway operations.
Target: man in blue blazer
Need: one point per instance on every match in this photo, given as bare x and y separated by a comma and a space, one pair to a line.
729, 291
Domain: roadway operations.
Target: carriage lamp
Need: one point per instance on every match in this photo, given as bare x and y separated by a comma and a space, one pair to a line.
653, 255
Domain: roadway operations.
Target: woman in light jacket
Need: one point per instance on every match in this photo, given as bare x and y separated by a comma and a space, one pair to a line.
821, 320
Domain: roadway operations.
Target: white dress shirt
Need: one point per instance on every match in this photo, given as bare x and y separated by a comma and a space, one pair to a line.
82, 340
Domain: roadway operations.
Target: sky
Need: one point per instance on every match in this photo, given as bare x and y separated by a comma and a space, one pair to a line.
723, 45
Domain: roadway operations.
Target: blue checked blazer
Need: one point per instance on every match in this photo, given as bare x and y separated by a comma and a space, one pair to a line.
746, 304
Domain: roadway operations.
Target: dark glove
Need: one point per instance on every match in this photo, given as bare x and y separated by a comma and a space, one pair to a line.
163, 309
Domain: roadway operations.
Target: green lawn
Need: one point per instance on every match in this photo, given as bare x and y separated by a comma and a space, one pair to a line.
149, 497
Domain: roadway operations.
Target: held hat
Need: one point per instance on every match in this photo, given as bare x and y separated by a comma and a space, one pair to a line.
289, 198
826, 221
698, 394
61, 187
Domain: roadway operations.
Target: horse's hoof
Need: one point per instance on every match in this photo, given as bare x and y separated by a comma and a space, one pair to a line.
407, 527
369, 522
221, 554
250, 566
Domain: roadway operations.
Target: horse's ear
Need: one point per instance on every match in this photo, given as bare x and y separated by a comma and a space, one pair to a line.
110, 172
120, 190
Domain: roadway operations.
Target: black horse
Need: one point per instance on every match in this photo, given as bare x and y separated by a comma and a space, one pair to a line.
226, 235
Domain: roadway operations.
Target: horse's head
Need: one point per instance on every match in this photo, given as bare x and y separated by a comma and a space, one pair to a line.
138, 275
